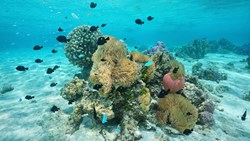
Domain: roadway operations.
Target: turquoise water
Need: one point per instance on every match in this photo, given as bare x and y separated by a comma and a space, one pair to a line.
26, 23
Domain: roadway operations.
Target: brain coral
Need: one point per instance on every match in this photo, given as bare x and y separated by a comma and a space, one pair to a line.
111, 67
178, 112
82, 44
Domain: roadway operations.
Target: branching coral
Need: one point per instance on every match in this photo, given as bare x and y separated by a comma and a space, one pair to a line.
178, 112
82, 44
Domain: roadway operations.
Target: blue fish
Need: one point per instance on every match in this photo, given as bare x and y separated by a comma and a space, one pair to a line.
104, 118
117, 130
147, 64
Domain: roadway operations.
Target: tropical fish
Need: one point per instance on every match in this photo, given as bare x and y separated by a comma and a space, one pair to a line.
102, 40
162, 93
38, 61
54, 51
139, 21
104, 118
21, 68
103, 25
243, 117
28, 97
54, 108
53, 84
150, 18
93, 28
93, 5
60, 29
37, 47
147, 64
62, 39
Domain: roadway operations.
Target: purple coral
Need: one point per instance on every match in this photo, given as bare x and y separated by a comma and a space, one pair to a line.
160, 46
206, 118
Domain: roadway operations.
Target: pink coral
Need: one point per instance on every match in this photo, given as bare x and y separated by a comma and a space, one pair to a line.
172, 85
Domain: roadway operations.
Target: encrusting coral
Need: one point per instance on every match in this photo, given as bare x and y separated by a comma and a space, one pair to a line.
111, 67
81, 45
145, 99
178, 112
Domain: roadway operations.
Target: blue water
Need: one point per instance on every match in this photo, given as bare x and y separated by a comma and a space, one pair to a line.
25, 23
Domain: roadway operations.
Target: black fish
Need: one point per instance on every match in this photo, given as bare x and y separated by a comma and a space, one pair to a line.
70, 102
124, 39
94, 113
28, 97
168, 119
243, 117
136, 47
103, 25
188, 113
187, 131
54, 109
150, 18
54, 51
102, 40
50, 70
62, 39
53, 84
103, 59
93, 5
162, 93
56, 67
139, 21
60, 29
93, 28
21, 68
38, 61
175, 69
37, 47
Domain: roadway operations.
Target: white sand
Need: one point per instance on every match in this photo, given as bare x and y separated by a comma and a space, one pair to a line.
32, 119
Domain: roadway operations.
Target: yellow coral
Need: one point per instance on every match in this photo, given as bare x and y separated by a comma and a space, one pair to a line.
125, 73
145, 99
111, 67
177, 111
138, 57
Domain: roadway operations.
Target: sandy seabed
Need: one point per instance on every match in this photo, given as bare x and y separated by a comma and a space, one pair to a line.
32, 120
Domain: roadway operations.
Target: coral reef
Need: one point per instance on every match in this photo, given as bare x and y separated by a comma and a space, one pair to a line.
224, 46
178, 112
243, 49
81, 45
145, 99
111, 67
138, 57
196, 50
208, 73
248, 62
6, 88
159, 47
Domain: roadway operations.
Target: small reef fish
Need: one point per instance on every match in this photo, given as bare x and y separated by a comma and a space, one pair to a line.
93, 5
139, 21
37, 47
62, 39
28, 97
162, 93
187, 131
60, 29
94, 113
38, 61
175, 70
117, 129
103, 25
93, 28
54, 51
21, 68
54, 109
147, 64
49, 71
150, 18
124, 39
53, 84
104, 118
56, 67
102, 40
243, 117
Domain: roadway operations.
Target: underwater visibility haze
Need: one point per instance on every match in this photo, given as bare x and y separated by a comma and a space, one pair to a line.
163, 70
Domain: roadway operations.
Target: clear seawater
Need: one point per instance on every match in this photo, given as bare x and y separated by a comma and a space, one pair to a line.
26, 23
